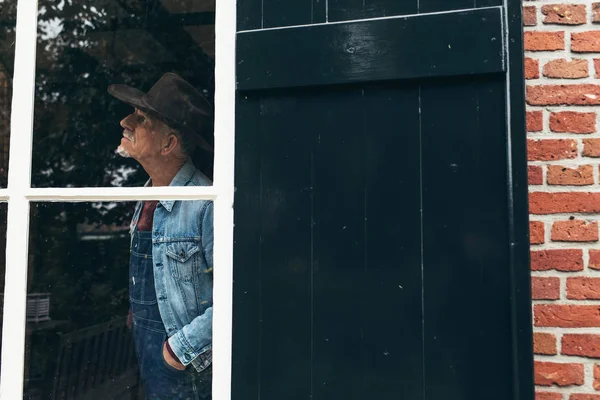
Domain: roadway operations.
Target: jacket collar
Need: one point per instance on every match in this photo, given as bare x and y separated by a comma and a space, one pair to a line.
182, 177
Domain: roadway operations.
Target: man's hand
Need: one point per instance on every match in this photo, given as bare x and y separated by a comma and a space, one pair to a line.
170, 360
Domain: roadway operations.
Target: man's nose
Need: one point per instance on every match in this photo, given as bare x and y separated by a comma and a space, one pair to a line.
126, 122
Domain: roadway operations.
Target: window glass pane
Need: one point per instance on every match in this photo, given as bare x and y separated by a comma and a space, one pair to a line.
86, 46
97, 296
8, 16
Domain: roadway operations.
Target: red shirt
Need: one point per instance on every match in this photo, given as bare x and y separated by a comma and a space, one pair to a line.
147, 216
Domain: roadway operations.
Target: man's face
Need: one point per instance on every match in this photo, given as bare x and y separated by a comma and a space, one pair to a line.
141, 139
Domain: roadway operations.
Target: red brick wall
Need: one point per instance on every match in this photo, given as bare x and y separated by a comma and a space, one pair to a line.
562, 42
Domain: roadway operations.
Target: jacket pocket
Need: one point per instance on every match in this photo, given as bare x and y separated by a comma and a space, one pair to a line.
182, 259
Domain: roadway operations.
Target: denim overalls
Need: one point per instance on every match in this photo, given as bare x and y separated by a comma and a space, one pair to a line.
160, 380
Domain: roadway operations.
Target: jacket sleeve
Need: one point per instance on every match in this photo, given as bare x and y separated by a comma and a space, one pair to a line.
195, 338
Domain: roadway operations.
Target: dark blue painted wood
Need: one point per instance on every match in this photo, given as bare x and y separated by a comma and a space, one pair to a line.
393, 362
248, 225
488, 3
249, 14
319, 11
344, 10
285, 234
257, 14
462, 43
465, 244
392, 247
339, 245
428, 6
518, 206
286, 12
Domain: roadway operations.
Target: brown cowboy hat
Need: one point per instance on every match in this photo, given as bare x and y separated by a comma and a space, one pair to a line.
176, 103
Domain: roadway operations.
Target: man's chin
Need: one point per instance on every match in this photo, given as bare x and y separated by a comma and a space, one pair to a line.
122, 152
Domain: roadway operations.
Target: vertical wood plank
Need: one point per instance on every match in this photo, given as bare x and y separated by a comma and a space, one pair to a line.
99, 377
286, 248
249, 14
246, 251
344, 10
278, 13
488, 3
339, 246
65, 369
85, 368
464, 241
319, 11
393, 302
427, 6
93, 370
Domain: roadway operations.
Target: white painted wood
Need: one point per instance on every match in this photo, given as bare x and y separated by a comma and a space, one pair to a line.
225, 25
19, 173
122, 193
19, 194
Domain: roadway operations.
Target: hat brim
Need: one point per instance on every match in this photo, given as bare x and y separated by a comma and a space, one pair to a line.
135, 98
127, 94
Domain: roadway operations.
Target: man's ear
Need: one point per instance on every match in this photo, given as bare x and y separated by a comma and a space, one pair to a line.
170, 142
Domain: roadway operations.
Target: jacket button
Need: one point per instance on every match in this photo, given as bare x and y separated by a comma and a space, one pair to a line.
182, 254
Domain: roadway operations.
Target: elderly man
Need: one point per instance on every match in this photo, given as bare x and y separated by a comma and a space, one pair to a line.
170, 268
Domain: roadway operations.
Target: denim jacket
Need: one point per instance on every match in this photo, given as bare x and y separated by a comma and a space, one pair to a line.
182, 251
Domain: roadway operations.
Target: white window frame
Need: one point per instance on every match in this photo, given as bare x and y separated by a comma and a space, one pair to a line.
19, 194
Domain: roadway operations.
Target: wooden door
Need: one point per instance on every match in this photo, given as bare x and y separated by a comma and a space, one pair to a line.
381, 245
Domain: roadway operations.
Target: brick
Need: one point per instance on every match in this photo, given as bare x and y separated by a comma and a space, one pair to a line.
566, 316
532, 68
544, 41
580, 176
583, 288
564, 14
564, 69
536, 232
567, 260
561, 374
584, 345
534, 121
584, 396
597, 67
573, 122
564, 202
548, 396
555, 95
529, 16
596, 383
535, 175
594, 260
574, 231
591, 148
551, 149
585, 42
545, 288
595, 12
544, 343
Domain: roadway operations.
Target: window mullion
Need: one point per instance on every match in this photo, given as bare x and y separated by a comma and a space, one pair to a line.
123, 193
19, 178
225, 31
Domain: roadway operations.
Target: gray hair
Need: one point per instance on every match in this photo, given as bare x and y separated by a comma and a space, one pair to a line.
186, 141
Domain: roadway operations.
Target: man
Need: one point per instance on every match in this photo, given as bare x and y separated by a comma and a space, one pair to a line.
170, 269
